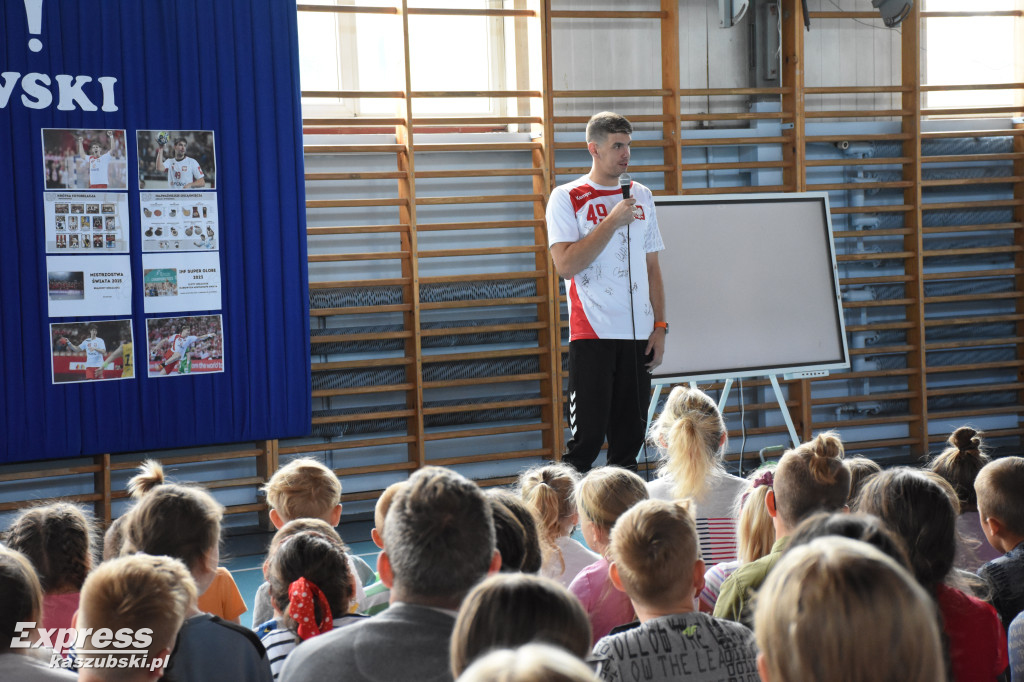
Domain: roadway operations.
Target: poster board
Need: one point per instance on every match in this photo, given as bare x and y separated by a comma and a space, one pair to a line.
155, 220
751, 287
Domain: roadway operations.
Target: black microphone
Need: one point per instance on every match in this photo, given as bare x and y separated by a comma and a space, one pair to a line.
624, 181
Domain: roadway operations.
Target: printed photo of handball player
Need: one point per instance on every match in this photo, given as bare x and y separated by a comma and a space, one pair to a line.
179, 346
176, 160
75, 159
91, 351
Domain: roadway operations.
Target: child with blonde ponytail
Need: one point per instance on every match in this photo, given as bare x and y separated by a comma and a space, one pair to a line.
604, 494
692, 433
548, 493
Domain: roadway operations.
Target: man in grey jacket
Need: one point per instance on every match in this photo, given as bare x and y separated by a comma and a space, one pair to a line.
438, 542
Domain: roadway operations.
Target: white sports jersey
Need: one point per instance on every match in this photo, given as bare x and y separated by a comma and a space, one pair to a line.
94, 350
181, 173
180, 344
99, 170
599, 304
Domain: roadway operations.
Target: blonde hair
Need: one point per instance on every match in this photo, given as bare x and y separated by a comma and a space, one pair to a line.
605, 493
20, 593
755, 532
812, 477
1000, 487
303, 488
838, 608
548, 492
530, 663
655, 548
510, 609
136, 592
691, 429
151, 474
380, 510
59, 540
960, 464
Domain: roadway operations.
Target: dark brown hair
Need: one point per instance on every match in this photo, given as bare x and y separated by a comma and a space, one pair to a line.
58, 540
920, 508
318, 559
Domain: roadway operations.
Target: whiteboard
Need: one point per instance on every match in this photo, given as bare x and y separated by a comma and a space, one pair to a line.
751, 286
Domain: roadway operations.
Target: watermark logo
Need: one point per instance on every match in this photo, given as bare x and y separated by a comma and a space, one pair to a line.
93, 648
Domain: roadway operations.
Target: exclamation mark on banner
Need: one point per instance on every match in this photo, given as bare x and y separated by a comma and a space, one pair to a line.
34, 10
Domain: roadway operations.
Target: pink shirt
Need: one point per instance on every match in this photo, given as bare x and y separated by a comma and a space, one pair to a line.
605, 605
58, 609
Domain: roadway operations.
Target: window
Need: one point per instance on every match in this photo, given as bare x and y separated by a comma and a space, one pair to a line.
964, 50
365, 51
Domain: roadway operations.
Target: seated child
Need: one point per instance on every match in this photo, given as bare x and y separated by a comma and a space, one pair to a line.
922, 508
960, 464
305, 488
133, 592
602, 496
184, 522
311, 586
655, 561
861, 469
509, 610
377, 593
839, 609
1000, 487
58, 539
22, 599
288, 530
808, 478
222, 598
532, 557
755, 535
548, 492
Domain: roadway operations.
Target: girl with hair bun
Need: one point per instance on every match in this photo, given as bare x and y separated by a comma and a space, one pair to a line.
548, 492
959, 465
811, 477
58, 540
692, 433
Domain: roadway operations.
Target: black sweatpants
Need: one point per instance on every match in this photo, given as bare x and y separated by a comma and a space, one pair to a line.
609, 393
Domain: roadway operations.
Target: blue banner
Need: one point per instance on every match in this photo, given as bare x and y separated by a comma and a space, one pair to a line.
153, 277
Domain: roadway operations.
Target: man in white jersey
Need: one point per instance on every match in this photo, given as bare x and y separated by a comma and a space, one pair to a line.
178, 356
183, 172
94, 348
99, 162
606, 247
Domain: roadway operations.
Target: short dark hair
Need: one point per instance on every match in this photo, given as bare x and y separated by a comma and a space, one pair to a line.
606, 123
439, 535
180, 139
94, 328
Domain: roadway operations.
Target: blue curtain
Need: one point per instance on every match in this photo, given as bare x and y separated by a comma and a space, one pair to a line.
230, 66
